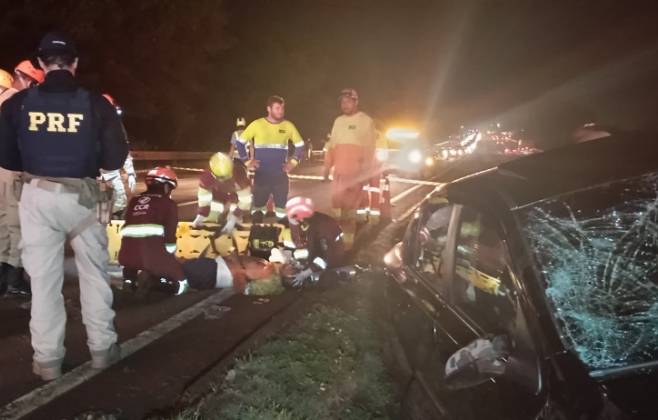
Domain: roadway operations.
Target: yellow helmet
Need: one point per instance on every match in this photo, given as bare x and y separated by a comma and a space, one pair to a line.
5, 79
221, 166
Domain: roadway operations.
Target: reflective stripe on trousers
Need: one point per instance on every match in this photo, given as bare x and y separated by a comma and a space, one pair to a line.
46, 219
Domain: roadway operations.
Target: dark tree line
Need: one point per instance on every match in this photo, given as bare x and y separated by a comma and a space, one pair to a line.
184, 70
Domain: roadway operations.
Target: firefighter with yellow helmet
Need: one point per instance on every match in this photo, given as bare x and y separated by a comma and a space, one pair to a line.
224, 192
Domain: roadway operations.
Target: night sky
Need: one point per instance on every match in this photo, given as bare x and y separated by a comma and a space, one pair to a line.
183, 70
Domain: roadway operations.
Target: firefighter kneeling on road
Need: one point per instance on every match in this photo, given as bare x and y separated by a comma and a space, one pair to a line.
317, 244
224, 191
148, 238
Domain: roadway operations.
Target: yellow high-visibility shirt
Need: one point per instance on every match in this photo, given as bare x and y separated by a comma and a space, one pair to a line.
352, 146
270, 142
357, 129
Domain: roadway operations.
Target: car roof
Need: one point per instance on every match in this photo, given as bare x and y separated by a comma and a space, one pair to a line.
543, 175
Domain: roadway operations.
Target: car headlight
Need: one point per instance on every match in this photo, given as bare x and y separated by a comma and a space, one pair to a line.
415, 156
444, 154
453, 152
381, 155
429, 161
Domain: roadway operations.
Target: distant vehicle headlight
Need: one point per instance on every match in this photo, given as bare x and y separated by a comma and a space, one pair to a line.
444, 154
453, 152
415, 156
429, 161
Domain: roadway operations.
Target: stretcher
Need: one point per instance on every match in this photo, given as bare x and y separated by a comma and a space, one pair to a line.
193, 243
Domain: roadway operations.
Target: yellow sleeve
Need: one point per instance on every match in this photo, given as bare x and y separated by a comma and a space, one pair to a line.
295, 137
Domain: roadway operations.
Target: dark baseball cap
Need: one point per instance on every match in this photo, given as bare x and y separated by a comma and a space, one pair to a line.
55, 43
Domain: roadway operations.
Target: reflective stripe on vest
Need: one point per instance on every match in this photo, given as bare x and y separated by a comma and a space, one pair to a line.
300, 254
142, 231
320, 263
216, 206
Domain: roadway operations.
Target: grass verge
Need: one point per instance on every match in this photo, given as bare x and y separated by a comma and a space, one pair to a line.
328, 365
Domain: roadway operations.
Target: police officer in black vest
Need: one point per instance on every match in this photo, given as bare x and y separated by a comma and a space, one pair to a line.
60, 136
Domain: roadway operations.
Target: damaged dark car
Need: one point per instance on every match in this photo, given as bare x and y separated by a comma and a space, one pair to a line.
530, 291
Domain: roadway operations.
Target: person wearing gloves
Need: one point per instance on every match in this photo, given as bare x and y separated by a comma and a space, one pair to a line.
114, 177
224, 193
148, 238
317, 243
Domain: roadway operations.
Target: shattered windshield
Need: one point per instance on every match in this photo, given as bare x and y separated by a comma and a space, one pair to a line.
597, 253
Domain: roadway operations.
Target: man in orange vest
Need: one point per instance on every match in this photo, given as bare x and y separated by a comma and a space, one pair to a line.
12, 276
351, 153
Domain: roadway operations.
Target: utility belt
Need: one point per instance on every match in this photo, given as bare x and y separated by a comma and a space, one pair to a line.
11, 184
92, 194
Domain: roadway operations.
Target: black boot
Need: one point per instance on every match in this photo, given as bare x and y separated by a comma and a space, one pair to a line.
17, 285
3, 279
145, 283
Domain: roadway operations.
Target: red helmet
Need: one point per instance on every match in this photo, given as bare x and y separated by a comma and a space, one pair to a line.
163, 176
114, 103
300, 208
28, 69
110, 99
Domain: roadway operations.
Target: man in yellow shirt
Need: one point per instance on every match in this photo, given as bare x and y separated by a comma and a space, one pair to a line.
269, 137
351, 154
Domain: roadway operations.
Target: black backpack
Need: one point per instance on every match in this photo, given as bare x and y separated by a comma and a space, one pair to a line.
262, 238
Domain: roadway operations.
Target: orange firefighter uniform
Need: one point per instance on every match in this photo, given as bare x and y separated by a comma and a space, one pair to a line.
351, 155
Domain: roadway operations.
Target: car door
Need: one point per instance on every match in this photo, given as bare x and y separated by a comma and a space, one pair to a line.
419, 310
484, 298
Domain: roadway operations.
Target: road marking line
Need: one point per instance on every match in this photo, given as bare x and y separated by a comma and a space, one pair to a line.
41, 396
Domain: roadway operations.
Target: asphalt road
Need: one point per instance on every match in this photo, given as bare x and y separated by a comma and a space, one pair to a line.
169, 340
185, 194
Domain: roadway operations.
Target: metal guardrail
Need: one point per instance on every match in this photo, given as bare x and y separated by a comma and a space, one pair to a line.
168, 155
173, 155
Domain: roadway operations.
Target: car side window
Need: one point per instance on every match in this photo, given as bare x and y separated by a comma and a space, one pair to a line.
431, 241
482, 273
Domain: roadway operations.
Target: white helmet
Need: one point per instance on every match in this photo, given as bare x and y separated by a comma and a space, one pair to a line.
240, 122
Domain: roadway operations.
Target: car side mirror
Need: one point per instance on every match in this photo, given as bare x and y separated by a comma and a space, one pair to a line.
482, 360
393, 258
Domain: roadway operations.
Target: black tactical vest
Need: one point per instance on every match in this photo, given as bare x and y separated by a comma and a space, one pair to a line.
56, 138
